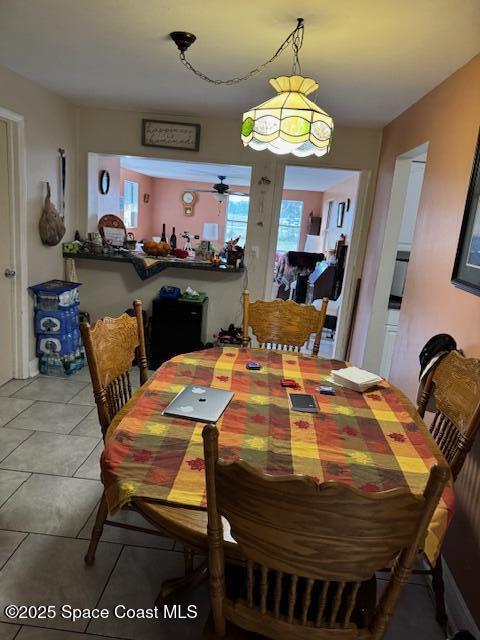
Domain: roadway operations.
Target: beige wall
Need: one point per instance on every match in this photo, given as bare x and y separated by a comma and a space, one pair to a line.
50, 123
448, 119
108, 288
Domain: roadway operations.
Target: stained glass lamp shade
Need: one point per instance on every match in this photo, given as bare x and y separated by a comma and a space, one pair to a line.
289, 122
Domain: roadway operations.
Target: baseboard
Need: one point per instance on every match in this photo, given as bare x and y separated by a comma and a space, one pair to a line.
33, 369
459, 616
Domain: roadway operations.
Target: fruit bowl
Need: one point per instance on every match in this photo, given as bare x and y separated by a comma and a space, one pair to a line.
159, 249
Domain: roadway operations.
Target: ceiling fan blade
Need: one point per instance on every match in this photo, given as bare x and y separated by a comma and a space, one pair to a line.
237, 193
202, 190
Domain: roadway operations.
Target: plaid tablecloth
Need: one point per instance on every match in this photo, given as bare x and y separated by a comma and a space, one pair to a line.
375, 441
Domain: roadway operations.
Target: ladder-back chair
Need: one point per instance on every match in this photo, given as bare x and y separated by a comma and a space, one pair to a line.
309, 551
282, 324
454, 384
110, 345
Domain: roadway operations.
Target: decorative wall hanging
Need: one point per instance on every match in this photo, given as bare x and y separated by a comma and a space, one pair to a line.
287, 123
112, 229
104, 182
340, 213
63, 176
171, 135
466, 270
51, 224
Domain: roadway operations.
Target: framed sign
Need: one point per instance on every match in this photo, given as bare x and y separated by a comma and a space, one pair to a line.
466, 270
171, 135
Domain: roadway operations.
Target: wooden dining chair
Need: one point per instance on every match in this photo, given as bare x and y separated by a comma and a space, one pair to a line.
310, 552
454, 385
111, 345
282, 324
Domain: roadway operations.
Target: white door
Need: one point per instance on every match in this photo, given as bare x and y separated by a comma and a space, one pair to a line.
6, 268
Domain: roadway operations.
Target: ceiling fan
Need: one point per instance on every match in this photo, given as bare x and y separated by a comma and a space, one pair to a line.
220, 191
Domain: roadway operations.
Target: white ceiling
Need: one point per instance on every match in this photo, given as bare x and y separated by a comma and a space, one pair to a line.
194, 171
311, 179
372, 58
297, 178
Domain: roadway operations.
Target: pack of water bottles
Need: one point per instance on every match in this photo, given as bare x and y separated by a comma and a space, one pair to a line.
57, 327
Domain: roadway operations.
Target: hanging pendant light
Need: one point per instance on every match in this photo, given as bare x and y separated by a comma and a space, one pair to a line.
289, 122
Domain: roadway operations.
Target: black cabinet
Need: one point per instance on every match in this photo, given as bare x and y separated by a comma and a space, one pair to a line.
176, 328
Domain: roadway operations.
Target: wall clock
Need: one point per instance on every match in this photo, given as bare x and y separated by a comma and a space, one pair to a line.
188, 201
104, 182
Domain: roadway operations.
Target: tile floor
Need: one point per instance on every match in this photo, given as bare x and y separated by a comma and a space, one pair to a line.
49, 489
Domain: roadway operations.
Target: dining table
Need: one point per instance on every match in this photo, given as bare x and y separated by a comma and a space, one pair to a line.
374, 440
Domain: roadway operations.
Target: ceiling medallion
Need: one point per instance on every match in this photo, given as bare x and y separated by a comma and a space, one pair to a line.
287, 123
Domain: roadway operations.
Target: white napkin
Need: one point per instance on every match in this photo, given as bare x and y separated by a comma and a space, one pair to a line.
355, 378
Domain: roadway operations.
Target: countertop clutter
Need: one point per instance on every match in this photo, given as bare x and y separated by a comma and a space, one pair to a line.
148, 266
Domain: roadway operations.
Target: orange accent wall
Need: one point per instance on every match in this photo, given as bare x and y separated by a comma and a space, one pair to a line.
165, 206
168, 208
448, 118
145, 209
312, 202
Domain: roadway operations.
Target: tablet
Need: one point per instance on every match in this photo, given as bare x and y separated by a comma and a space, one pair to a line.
304, 402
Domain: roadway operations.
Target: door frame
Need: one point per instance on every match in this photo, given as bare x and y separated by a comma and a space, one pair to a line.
18, 240
372, 354
355, 255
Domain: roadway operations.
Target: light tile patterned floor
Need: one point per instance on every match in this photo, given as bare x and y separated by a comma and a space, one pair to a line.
49, 488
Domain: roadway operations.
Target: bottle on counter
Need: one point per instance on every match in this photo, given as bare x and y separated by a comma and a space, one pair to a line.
173, 240
164, 237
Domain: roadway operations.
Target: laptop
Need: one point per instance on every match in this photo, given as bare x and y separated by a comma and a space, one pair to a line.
202, 404
304, 402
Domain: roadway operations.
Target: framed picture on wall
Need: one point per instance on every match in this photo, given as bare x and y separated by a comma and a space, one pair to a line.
329, 214
171, 135
340, 213
466, 269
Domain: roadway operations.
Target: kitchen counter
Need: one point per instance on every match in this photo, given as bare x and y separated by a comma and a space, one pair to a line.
148, 266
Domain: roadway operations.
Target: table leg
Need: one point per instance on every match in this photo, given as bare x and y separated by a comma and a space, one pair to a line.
188, 555
174, 589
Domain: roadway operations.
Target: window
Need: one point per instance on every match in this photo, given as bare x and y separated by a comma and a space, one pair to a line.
237, 218
130, 203
289, 225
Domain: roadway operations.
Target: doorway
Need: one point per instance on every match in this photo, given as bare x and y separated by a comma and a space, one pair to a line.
14, 315
394, 260
7, 273
316, 220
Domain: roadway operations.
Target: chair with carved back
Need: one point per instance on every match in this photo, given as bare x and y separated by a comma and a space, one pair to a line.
111, 345
310, 551
282, 324
454, 384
